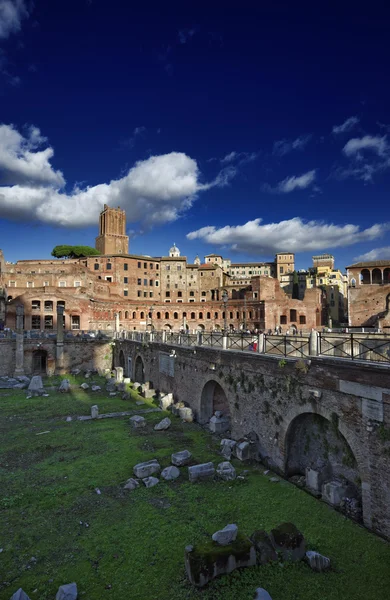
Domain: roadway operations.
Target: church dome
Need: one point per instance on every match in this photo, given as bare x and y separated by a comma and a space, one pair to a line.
174, 250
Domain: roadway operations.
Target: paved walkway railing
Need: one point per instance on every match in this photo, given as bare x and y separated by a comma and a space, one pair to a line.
350, 346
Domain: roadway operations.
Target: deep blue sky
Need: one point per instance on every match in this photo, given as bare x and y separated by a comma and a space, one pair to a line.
295, 99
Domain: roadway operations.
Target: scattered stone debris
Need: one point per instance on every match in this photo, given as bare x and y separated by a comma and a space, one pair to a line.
317, 561
137, 422
64, 387
131, 484
67, 592
96, 388
201, 472
261, 594
20, 595
181, 458
164, 424
35, 387
227, 447
84, 386
94, 411
150, 481
289, 542
226, 471
170, 473
225, 536
146, 469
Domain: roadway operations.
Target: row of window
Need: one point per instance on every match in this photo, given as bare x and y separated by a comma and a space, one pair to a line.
30, 284
150, 282
47, 305
158, 315
146, 265
48, 322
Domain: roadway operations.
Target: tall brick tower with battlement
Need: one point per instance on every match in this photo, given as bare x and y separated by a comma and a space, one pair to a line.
112, 238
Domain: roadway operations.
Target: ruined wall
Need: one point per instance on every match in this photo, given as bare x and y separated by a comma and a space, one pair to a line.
266, 396
80, 354
367, 304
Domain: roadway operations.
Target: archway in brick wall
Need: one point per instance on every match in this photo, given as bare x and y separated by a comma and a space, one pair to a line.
213, 398
139, 370
39, 362
121, 359
316, 449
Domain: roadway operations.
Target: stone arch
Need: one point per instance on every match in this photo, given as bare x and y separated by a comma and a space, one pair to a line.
213, 397
353, 447
167, 327
386, 275
39, 362
134, 314
121, 359
126, 314
167, 315
139, 370
365, 276
376, 276
388, 302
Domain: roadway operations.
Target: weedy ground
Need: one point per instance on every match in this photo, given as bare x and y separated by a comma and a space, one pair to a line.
55, 528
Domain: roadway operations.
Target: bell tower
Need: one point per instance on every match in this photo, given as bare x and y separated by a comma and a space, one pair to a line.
112, 238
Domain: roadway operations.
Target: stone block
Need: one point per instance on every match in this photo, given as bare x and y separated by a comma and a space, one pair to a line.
136, 385
146, 469
225, 536
261, 594
264, 549
170, 473
137, 422
67, 592
96, 388
181, 458
186, 414
149, 394
226, 471
35, 387
118, 374
64, 387
94, 411
317, 561
20, 595
242, 451
175, 408
333, 492
131, 484
227, 447
164, 424
288, 541
371, 409
211, 560
166, 401
201, 472
150, 481
126, 380
145, 386
84, 386
219, 424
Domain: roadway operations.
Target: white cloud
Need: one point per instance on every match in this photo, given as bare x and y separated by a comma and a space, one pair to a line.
12, 12
282, 147
138, 132
346, 126
375, 254
294, 234
186, 34
154, 191
290, 184
375, 143
22, 163
241, 158
229, 157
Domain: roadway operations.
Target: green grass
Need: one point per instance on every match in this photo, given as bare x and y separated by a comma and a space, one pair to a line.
135, 540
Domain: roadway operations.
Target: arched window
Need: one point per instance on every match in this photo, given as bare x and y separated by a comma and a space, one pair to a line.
142, 315
167, 315
237, 315
200, 315
216, 315
353, 282
208, 315
377, 276
120, 314
223, 314
365, 276
175, 315
192, 315
126, 314
386, 275
231, 315
158, 315
184, 315
134, 315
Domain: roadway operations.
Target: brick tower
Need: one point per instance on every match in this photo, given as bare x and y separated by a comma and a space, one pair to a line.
112, 238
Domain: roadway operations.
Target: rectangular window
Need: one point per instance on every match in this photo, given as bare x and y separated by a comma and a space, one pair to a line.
139, 265
168, 267
145, 265
48, 306
150, 294
145, 282
281, 270
126, 267
108, 279
125, 292
192, 293
156, 283
96, 266
145, 294
75, 322
179, 267
203, 293
62, 284
36, 305
167, 294
139, 281
48, 321
151, 282
108, 266
77, 284
36, 322
125, 280
45, 284
151, 266
179, 294
30, 284
192, 300
139, 293
157, 267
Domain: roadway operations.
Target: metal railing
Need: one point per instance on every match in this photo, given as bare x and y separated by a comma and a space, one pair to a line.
286, 345
355, 346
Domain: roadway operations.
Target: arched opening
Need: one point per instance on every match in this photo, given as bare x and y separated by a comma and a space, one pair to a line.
121, 359
39, 362
167, 327
353, 282
158, 315
167, 315
386, 275
376, 276
192, 315
234, 295
200, 327
216, 315
134, 315
175, 315
208, 315
317, 450
365, 276
126, 314
213, 398
200, 315
142, 315
139, 370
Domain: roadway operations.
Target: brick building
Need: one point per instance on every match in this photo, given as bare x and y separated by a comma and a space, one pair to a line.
369, 294
151, 292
